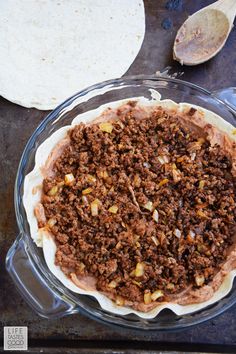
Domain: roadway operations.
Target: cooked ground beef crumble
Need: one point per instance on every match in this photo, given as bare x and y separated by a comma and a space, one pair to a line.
147, 207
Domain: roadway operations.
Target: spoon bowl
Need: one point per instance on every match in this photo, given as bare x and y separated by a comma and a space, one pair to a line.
204, 34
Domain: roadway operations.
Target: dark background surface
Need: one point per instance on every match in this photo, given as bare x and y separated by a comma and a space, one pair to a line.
16, 126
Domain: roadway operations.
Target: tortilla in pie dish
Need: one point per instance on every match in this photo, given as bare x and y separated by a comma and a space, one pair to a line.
139, 207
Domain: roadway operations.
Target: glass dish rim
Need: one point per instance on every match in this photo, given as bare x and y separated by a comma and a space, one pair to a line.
135, 79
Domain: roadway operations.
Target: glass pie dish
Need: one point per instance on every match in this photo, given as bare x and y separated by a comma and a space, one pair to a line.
25, 262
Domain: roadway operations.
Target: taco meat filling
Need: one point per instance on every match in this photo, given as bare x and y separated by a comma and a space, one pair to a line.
142, 203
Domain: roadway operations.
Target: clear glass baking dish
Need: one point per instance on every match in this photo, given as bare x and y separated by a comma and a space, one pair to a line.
25, 262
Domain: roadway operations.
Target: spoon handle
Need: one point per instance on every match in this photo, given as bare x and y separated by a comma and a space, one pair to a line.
228, 7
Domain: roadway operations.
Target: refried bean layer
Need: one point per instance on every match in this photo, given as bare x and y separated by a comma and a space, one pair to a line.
146, 207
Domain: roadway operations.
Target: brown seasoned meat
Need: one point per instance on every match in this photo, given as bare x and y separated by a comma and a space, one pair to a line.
141, 207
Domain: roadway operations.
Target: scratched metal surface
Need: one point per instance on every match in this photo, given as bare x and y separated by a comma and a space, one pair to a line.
16, 126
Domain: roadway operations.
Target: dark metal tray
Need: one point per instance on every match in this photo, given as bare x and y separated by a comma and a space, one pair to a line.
16, 126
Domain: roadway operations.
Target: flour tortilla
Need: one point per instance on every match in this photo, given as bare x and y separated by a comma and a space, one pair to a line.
33, 192
53, 49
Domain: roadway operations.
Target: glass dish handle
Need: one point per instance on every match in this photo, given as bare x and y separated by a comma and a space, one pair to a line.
227, 95
31, 284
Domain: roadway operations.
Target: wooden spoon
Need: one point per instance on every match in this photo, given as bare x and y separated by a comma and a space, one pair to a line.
204, 33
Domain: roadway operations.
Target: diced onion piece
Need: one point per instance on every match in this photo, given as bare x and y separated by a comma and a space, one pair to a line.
136, 283
120, 146
156, 295
162, 238
53, 191
201, 248
201, 184
199, 279
147, 298
94, 207
148, 205
112, 284
166, 158
174, 167
91, 179
119, 301
164, 181
139, 270
87, 191
137, 181
103, 174
192, 234
85, 200
163, 159
103, 190
113, 209
193, 156
118, 245
201, 214
177, 233
81, 267
176, 175
106, 127
161, 120
201, 141
51, 222
69, 179
120, 124
170, 286
155, 240
155, 215
111, 189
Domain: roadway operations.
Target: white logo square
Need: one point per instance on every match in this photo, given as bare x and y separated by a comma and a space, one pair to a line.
15, 338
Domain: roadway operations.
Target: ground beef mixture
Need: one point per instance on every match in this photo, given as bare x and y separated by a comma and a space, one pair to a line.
145, 207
